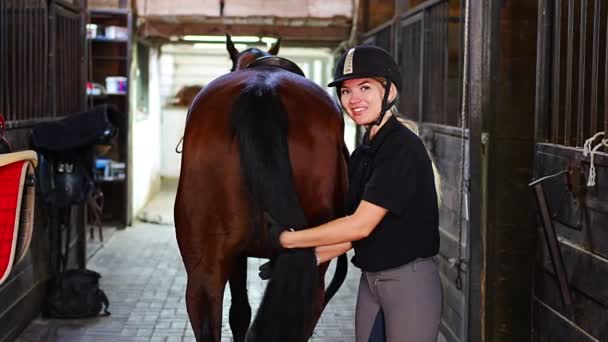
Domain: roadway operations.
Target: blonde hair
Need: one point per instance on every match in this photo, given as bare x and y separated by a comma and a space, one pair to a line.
412, 126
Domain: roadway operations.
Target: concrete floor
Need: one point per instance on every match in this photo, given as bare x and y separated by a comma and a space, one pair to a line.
144, 279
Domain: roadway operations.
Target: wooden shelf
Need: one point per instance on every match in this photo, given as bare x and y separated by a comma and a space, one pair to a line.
112, 57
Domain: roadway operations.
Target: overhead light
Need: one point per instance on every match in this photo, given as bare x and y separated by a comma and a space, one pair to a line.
239, 47
268, 40
235, 39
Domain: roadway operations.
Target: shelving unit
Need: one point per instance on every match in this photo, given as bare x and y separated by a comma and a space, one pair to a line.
110, 56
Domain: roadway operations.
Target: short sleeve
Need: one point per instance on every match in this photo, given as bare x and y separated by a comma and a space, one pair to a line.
393, 180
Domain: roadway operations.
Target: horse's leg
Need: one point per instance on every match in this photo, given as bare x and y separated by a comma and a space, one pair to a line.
240, 310
204, 296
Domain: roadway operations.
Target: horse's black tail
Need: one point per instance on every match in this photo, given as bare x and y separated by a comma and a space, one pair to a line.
260, 123
338, 278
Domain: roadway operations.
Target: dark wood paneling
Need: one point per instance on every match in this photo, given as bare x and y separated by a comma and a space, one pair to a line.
453, 302
449, 222
373, 13
586, 272
591, 234
445, 144
449, 245
584, 246
550, 327
447, 265
588, 314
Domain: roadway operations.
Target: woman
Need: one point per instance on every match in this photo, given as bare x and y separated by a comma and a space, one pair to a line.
393, 208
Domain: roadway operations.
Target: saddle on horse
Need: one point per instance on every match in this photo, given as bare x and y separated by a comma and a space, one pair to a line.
278, 62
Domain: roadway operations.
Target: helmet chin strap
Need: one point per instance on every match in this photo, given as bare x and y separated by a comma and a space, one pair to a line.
385, 104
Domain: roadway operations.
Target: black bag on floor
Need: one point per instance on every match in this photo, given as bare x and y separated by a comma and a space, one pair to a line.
76, 294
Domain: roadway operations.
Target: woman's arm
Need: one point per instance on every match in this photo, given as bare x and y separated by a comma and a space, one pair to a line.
326, 253
345, 229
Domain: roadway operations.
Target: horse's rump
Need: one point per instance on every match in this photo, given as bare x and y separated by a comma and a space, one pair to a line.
237, 164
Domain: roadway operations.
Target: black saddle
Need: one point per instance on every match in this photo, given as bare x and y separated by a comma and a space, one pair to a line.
278, 62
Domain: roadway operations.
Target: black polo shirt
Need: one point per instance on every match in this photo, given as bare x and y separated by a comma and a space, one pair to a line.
394, 171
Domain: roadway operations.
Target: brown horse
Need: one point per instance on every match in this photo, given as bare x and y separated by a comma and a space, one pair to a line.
258, 141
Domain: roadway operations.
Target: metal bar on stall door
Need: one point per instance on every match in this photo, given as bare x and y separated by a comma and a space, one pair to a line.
47, 62
32, 61
25, 58
428, 34
421, 71
597, 8
68, 105
44, 66
76, 78
2, 52
543, 63
35, 67
606, 83
60, 58
580, 115
444, 60
555, 95
41, 61
83, 59
20, 62
52, 44
71, 86
21, 52
56, 83
78, 87
569, 62
11, 66
461, 24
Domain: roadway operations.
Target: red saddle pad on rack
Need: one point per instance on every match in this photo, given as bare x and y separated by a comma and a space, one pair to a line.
16, 208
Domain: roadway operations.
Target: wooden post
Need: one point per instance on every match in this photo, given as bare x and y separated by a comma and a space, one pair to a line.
476, 94
501, 111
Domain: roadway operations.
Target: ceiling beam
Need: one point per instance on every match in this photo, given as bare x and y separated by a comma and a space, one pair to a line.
332, 30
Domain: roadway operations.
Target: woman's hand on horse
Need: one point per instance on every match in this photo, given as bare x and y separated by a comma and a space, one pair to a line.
265, 269
274, 233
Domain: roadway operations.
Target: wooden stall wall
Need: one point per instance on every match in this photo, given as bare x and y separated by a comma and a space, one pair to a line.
447, 145
501, 49
583, 242
41, 78
571, 107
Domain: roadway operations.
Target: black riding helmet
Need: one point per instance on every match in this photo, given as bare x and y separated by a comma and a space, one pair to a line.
366, 61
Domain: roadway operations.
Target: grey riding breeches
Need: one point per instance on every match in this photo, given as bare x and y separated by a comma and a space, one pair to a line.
410, 299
